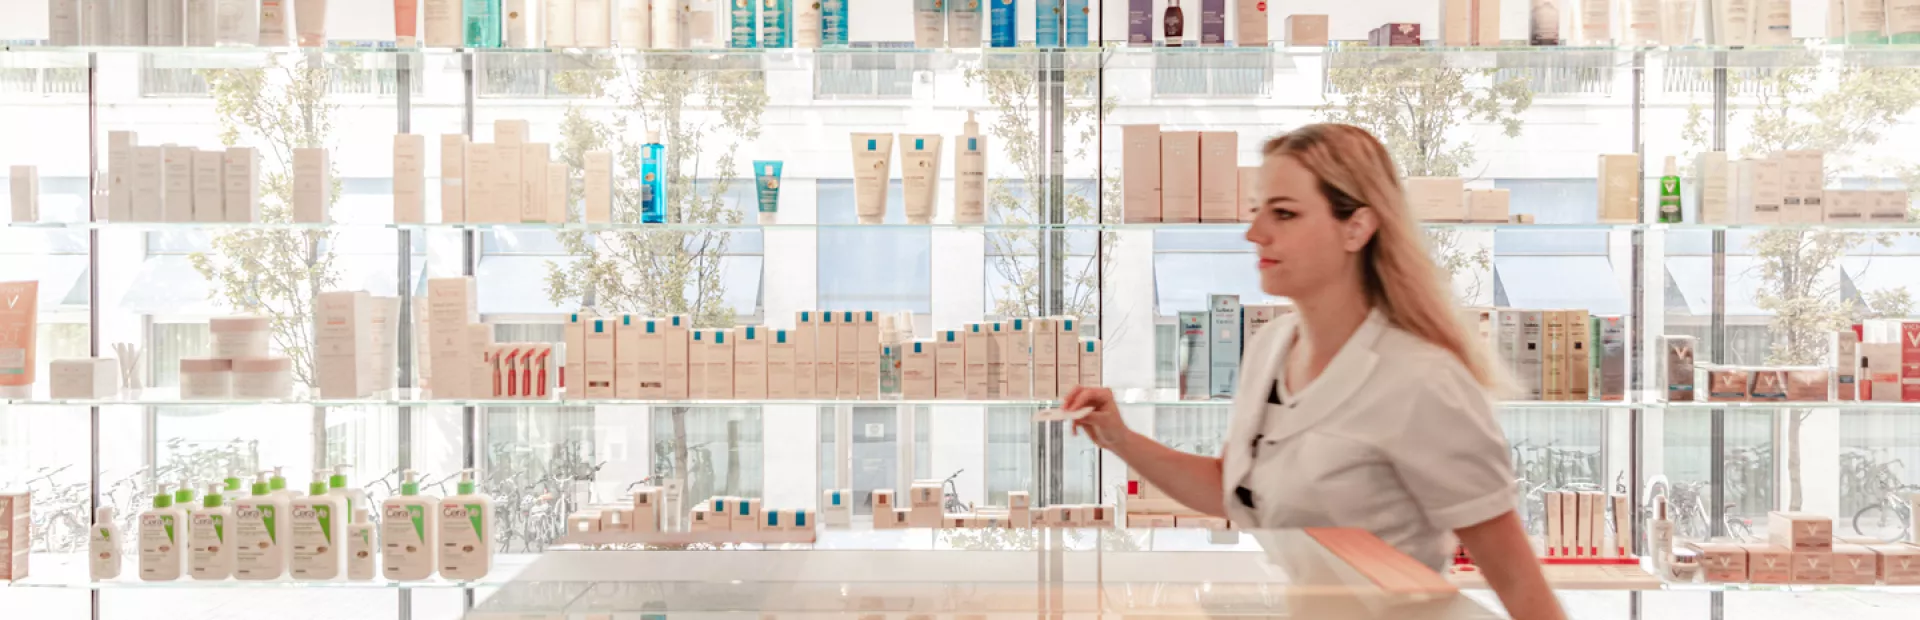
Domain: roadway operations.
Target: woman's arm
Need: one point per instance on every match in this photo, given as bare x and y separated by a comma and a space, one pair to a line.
1191, 479
1500, 548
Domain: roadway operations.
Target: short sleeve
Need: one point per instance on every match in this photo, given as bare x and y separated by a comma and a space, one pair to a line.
1450, 452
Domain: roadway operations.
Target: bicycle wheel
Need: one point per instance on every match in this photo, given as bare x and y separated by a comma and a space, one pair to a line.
1880, 523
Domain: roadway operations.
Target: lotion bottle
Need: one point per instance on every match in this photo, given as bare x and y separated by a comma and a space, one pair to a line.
970, 174
1660, 535
1670, 194
466, 532
1175, 24
210, 557
360, 547
319, 531
409, 525
163, 554
103, 545
260, 533
653, 182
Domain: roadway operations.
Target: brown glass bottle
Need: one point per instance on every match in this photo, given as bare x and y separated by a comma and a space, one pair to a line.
1176, 23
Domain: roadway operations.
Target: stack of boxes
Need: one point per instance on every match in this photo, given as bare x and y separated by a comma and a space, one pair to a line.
1884, 367
1449, 200
1183, 176
1212, 343
1024, 358
1557, 355
172, 183
747, 514
1800, 549
510, 180
1148, 507
1786, 187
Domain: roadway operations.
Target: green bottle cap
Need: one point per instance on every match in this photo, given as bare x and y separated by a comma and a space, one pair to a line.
213, 499
317, 488
183, 497
277, 482
466, 482
410, 485
163, 500
339, 478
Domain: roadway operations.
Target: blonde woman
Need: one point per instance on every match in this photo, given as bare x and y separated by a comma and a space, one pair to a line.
1369, 407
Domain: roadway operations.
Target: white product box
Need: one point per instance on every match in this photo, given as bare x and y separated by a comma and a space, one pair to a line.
343, 344
177, 168
1437, 199
1140, 173
1489, 206
1712, 198
25, 188
976, 342
509, 182
483, 181
409, 178
1046, 368
628, 331
534, 157
84, 378
312, 187
1018, 355
1769, 193
1066, 354
649, 358
750, 363
847, 353
1846, 206
573, 374
720, 363
1090, 351
826, 357
1180, 176
120, 175
836, 507
209, 194
452, 305
1619, 180
805, 353
453, 175
950, 359
598, 192
675, 365
918, 370
601, 344
868, 373
149, 185
240, 184
780, 354
1219, 176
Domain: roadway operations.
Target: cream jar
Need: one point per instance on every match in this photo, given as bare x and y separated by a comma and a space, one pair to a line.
235, 337
264, 378
206, 378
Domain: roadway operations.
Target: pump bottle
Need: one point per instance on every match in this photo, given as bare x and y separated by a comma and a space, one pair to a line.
163, 554
210, 557
319, 533
409, 537
260, 533
466, 532
103, 545
360, 547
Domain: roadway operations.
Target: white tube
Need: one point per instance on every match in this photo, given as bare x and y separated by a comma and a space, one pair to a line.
970, 175
920, 173
310, 20
666, 25
1775, 23
872, 170
1903, 21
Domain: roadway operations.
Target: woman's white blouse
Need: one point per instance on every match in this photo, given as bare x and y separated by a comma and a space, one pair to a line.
1395, 437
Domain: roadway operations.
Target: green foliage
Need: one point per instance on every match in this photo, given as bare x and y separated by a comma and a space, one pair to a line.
275, 273
675, 270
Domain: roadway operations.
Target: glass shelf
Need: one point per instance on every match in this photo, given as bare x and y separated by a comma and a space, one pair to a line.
1847, 404
64, 571
610, 402
1224, 227
866, 56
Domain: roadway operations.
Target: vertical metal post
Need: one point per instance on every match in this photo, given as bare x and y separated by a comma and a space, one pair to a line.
1636, 323
1718, 332
93, 297
470, 429
403, 123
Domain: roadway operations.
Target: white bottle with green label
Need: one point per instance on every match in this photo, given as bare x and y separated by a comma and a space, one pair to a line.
466, 532
409, 528
360, 547
259, 532
103, 545
163, 549
319, 523
209, 557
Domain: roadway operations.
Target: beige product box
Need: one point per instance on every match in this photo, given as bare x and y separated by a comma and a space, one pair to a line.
746, 514
1722, 562
640, 351
719, 362
616, 519
481, 183
1622, 527
1769, 191
1800, 531
627, 330
868, 375
847, 352
1578, 363
826, 357
597, 182
949, 359
1066, 354
1844, 207
556, 192
996, 359
703, 519
1456, 23
1557, 546
1046, 359
805, 331
1619, 182
16, 508
409, 178
1891, 206
83, 378
1809, 384
584, 522
453, 175
1768, 563
479, 361
676, 363
1899, 564
1250, 198
1728, 384
178, 170
1219, 176
1573, 540
1712, 198
1250, 24
344, 342
1813, 567
120, 175
780, 355
1151, 520
534, 157
1090, 351
977, 339
573, 374
1489, 206
1591, 527
148, 202
1437, 199
1808, 178
1018, 353
1180, 177
1140, 173
240, 184
1855, 565
917, 371
1844, 348
646, 510
312, 187
1306, 30
750, 363
209, 204
1486, 23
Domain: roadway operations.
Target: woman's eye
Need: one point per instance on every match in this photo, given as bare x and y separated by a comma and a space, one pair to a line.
1283, 214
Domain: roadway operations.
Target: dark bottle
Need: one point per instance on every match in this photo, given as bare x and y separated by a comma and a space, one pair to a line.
1176, 23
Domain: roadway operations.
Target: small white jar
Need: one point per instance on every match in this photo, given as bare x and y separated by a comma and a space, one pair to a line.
264, 378
235, 337
204, 378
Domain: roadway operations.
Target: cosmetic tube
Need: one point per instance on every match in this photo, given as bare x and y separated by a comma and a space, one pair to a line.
776, 23
833, 22
970, 174
310, 20
406, 20
1903, 21
806, 24
929, 24
963, 23
1005, 20
653, 181
920, 175
443, 23
273, 23
636, 24
766, 179
480, 24
558, 16
872, 171
741, 27
19, 315
666, 25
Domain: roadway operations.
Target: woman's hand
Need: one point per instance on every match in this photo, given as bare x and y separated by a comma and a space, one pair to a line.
1103, 425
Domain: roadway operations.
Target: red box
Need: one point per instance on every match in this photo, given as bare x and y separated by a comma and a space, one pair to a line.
1910, 361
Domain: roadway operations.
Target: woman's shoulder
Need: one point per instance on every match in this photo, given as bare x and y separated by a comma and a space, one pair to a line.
1434, 371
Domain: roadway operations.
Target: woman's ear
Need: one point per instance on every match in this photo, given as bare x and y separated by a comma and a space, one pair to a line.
1360, 228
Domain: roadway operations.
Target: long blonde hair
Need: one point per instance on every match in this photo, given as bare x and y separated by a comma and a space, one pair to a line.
1355, 171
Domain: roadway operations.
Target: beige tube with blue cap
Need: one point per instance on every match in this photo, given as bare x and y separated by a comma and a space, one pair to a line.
872, 171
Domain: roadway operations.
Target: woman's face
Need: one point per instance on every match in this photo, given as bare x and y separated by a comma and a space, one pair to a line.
1301, 245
